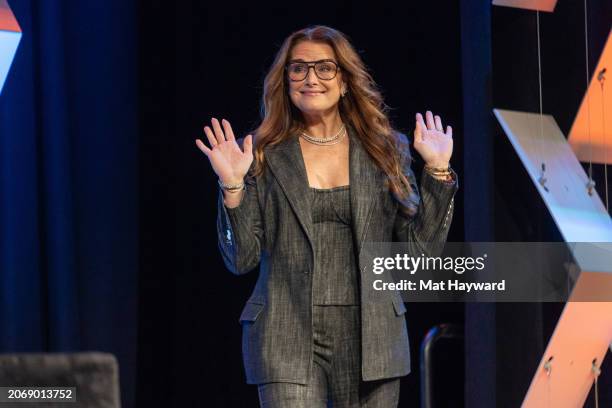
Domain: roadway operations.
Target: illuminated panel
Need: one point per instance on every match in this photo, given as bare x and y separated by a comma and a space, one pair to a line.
595, 115
584, 330
7, 20
583, 333
541, 5
10, 35
579, 216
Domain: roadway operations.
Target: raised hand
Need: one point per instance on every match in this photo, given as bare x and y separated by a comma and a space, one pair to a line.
433, 144
227, 159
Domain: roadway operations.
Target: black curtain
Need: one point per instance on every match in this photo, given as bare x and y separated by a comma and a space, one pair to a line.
208, 59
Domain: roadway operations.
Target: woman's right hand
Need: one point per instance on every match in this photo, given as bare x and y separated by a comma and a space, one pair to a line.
229, 162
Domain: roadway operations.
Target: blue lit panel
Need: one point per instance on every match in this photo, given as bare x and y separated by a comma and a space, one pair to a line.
10, 35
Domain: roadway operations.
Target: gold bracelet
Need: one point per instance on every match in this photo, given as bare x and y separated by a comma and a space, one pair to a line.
434, 170
439, 173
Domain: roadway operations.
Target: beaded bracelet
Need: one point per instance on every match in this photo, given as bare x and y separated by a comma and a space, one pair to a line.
231, 187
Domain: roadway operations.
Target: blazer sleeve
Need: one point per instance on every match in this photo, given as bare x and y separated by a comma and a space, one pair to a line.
240, 231
427, 230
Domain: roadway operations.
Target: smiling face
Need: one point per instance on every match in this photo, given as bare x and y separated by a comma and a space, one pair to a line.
312, 95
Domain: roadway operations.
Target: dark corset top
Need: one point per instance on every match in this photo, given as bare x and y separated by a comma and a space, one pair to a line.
335, 280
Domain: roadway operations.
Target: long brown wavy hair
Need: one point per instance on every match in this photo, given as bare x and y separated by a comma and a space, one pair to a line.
362, 108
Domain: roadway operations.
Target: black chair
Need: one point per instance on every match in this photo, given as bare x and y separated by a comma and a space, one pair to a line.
428, 365
94, 375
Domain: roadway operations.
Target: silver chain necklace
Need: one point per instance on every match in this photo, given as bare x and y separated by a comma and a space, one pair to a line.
326, 141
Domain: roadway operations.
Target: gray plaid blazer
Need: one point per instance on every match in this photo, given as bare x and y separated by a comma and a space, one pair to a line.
272, 227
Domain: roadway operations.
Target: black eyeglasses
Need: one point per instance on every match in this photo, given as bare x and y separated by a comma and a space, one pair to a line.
324, 69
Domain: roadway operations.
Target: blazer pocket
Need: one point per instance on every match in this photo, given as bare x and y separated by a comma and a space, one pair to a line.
251, 312
398, 305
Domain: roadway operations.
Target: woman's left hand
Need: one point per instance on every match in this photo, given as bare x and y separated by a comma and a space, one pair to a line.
433, 144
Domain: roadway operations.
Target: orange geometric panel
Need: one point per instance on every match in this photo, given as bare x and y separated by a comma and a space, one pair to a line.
565, 374
591, 133
7, 20
541, 5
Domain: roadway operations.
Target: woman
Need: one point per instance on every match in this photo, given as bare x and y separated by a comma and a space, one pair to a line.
327, 174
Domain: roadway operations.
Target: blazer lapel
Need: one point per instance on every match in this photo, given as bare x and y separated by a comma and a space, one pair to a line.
366, 181
287, 164
365, 178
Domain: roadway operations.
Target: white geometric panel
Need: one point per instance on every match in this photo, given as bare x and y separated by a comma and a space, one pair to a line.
579, 216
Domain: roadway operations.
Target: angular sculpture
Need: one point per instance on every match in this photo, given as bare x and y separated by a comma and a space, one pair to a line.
584, 331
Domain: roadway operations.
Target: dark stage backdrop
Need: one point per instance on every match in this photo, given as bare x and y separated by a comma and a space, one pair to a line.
204, 59
107, 208
68, 183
